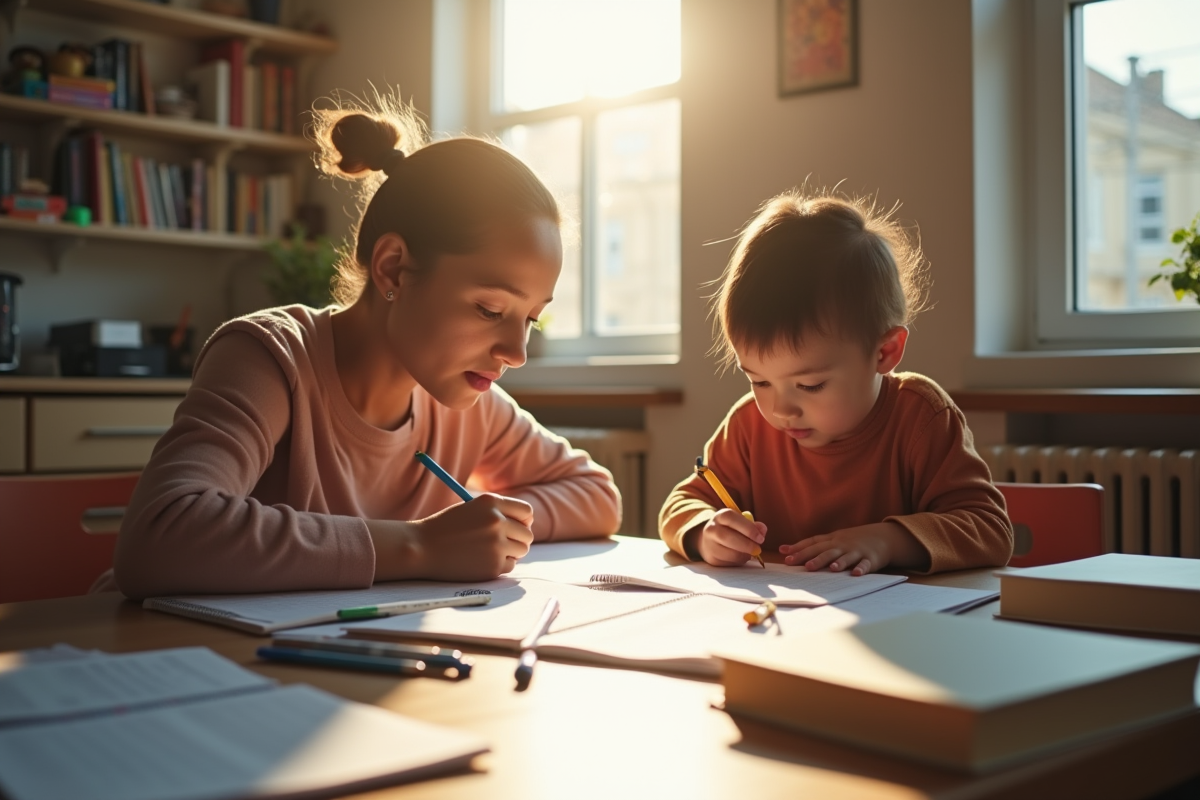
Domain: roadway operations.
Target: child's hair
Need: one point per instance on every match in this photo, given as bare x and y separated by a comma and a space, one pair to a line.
440, 197
818, 262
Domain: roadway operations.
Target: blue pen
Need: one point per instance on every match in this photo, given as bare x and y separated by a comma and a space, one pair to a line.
444, 476
395, 666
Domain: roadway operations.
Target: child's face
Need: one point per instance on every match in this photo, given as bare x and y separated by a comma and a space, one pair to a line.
821, 390
459, 327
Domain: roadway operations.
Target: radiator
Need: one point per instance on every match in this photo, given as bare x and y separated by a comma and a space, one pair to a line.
623, 453
1151, 497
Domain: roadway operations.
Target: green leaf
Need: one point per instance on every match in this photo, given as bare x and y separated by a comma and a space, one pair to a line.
1155, 279
1178, 236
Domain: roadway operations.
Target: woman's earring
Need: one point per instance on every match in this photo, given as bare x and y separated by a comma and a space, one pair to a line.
390, 295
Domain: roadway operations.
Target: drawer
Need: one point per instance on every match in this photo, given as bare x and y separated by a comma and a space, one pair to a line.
12, 434
94, 433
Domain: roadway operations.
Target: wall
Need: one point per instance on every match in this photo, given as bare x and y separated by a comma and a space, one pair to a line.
904, 132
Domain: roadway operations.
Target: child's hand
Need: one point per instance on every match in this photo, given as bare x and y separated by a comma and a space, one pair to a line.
474, 541
864, 549
729, 539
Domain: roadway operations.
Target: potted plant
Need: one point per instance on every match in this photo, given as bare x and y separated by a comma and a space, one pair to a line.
1184, 272
302, 271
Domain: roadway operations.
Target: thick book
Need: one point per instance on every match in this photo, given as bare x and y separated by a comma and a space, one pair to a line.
212, 85
965, 693
233, 52
187, 723
1117, 591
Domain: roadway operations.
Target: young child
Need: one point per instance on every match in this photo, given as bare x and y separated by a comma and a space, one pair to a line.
290, 464
844, 463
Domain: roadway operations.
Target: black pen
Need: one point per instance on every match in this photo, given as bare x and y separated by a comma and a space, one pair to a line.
395, 666
431, 655
524, 673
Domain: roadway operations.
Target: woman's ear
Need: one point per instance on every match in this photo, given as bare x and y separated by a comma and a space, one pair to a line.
390, 260
891, 349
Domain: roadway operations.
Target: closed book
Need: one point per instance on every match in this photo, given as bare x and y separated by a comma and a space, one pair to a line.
132, 201
179, 196
965, 693
145, 86
1116, 591
154, 184
211, 82
144, 197
287, 100
270, 96
119, 193
83, 98
33, 204
115, 66
168, 196
94, 85
232, 51
6, 168
251, 92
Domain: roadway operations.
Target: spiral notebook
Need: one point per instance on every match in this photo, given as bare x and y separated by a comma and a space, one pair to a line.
652, 630
267, 613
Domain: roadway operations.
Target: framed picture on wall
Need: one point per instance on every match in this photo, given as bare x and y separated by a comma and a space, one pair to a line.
818, 45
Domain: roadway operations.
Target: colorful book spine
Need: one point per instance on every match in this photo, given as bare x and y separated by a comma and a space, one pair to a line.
287, 100
117, 179
83, 98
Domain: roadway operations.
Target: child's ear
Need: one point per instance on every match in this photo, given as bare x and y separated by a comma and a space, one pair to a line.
390, 260
891, 349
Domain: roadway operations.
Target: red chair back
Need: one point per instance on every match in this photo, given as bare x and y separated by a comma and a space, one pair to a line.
1061, 521
45, 551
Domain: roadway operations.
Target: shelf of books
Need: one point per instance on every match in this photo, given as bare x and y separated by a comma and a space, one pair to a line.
187, 23
221, 241
190, 131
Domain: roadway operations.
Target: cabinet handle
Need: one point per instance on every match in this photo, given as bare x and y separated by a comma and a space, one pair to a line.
109, 432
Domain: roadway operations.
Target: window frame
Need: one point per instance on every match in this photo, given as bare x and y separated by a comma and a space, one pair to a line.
1055, 89
484, 115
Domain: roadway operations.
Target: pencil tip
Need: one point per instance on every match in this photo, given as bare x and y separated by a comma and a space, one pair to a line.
699, 462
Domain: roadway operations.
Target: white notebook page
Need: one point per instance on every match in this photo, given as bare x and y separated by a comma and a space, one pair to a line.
89, 685
786, 586
512, 614
281, 741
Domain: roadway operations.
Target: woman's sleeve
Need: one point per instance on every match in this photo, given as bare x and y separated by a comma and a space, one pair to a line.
960, 519
191, 526
572, 496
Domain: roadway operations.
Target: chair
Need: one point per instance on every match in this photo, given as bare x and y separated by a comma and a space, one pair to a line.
58, 533
1054, 522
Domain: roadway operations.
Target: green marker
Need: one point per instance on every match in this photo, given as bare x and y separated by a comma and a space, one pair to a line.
409, 606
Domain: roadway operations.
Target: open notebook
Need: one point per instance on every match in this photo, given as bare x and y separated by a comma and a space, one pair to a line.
651, 630
187, 723
784, 585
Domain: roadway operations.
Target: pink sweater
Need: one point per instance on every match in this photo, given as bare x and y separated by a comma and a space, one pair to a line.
265, 478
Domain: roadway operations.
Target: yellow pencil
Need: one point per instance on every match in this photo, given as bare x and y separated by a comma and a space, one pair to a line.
715, 483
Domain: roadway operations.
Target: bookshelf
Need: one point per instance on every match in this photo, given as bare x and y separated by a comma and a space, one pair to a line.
217, 144
184, 23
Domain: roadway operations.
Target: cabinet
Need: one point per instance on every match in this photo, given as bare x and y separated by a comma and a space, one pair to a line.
220, 146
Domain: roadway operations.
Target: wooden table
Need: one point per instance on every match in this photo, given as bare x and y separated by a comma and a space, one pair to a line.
582, 732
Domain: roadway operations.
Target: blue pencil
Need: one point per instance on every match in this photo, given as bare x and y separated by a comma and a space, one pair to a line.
444, 476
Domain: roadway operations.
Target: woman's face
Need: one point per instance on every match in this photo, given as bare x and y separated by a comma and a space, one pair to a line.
458, 326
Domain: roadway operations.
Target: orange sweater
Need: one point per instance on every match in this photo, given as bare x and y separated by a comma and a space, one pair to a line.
911, 461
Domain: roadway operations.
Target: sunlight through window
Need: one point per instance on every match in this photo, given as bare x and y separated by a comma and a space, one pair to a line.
560, 51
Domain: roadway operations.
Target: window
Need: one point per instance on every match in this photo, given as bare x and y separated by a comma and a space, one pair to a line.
586, 93
1128, 111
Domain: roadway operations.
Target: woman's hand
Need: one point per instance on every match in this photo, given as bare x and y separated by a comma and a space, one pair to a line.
473, 541
863, 549
729, 539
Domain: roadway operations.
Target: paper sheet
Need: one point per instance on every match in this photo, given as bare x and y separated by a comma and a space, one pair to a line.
280, 741
89, 685
787, 586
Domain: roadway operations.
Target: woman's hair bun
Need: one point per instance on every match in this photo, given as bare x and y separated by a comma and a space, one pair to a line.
357, 139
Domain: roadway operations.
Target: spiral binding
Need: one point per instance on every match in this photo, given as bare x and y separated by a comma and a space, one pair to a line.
197, 610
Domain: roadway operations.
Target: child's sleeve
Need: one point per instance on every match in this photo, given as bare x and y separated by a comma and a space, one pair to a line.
572, 496
191, 526
692, 503
960, 519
